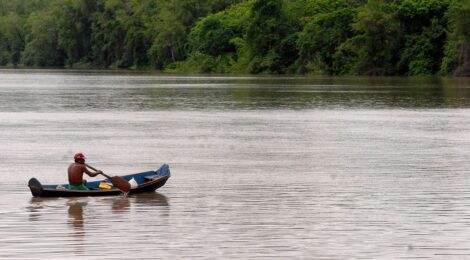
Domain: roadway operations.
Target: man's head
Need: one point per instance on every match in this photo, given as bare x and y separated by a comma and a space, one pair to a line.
79, 158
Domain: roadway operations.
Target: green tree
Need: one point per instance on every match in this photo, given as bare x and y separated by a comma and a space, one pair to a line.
12, 39
457, 49
212, 42
138, 21
220, 5
168, 43
423, 24
321, 37
42, 47
378, 41
108, 34
270, 37
74, 25
212, 35
422, 52
173, 24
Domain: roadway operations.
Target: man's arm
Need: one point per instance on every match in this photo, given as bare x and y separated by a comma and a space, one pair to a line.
91, 174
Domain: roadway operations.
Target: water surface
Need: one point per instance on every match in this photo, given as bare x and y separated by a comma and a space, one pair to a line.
262, 167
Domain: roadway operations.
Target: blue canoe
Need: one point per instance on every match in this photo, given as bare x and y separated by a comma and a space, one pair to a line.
147, 182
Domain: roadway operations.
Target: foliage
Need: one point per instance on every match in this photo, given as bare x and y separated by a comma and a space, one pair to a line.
74, 28
424, 26
422, 53
378, 41
12, 40
270, 37
215, 42
321, 37
334, 37
42, 46
457, 49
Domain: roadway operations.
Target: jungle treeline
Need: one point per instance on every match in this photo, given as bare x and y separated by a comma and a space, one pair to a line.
330, 37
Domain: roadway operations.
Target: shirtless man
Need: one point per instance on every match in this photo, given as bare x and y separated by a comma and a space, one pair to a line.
76, 171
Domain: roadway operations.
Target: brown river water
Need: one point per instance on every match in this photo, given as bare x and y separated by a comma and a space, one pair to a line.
262, 167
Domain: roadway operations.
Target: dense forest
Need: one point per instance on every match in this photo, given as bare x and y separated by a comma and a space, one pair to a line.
332, 37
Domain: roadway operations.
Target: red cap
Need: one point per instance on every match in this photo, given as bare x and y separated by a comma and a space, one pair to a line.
79, 156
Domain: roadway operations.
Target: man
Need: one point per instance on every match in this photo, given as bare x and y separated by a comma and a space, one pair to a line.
76, 171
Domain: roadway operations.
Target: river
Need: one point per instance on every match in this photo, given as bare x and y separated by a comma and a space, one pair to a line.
273, 167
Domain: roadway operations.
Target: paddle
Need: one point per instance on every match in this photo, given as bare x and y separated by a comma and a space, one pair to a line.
117, 181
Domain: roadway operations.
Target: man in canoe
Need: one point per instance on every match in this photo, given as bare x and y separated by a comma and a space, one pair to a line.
76, 171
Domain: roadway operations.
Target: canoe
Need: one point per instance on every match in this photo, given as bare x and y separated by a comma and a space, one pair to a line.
146, 182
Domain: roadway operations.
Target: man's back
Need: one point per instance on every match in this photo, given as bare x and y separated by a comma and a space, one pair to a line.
75, 173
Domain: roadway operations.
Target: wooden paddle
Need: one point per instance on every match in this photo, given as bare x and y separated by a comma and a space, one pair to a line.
117, 181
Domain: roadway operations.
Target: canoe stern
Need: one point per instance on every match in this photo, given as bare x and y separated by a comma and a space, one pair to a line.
35, 186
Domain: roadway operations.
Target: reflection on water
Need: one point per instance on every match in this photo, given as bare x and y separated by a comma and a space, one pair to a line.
121, 205
76, 216
98, 91
76, 221
151, 199
82, 226
262, 167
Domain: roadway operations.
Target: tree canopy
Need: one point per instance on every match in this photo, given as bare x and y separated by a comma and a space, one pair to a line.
333, 37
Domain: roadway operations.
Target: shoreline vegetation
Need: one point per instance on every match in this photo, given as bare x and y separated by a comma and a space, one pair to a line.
314, 37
